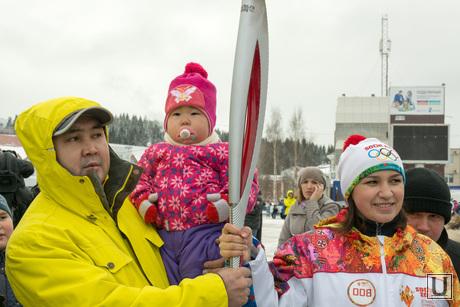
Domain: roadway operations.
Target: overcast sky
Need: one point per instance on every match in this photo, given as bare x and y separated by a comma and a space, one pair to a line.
123, 54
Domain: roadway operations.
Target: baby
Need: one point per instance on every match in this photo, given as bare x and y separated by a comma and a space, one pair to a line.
183, 189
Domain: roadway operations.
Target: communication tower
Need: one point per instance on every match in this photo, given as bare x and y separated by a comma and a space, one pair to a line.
385, 48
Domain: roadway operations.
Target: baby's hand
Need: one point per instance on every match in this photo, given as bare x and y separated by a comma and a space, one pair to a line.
218, 208
148, 209
153, 198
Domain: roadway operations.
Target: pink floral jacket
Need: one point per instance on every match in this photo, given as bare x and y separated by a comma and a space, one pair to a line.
182, 176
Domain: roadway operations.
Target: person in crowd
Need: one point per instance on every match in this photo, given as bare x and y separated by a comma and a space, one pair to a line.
275, 210
7, 297
282, 208
287, 203
13, 170
312, 206
82, 242
455, 207
267, 207
364, 256
428, 207
253, 219
184, 187
453, 228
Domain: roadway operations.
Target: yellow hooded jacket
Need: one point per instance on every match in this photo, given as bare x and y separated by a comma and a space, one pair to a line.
289, 201
84, 244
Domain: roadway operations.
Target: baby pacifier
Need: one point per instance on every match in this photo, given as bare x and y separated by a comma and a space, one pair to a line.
185, 134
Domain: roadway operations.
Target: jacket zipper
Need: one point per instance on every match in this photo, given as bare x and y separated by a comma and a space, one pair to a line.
381, 241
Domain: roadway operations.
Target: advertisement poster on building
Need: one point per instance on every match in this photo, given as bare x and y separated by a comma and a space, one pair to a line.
417, 100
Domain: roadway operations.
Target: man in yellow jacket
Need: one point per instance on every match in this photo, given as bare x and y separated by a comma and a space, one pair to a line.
81, 242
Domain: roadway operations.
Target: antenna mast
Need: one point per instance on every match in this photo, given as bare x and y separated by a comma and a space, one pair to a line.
385, 48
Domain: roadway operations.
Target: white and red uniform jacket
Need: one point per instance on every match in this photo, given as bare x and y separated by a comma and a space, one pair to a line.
326, 268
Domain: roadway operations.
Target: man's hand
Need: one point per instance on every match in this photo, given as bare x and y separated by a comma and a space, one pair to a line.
213, 266
318, 193
237, 282
235, 242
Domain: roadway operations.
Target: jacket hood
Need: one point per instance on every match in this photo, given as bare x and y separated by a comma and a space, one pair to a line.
289, 201
34, 128
287, 194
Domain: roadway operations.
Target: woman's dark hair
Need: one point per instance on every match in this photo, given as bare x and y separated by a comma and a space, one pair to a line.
354, 218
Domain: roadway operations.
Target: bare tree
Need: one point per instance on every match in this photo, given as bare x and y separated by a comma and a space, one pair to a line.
296, 133
274, 134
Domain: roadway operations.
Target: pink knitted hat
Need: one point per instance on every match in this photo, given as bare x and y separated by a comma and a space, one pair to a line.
193, 89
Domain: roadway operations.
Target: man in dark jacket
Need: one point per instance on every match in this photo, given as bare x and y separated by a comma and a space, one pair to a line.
254, 218
274, 210
428, 207
13, 170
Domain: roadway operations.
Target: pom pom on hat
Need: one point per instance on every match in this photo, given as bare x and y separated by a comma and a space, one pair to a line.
353, 139
192, 89
362, 157
195, 68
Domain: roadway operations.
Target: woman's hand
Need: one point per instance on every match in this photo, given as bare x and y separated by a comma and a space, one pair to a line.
235, 242
318, 193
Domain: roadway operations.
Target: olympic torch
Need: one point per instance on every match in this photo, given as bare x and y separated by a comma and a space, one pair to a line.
247, 106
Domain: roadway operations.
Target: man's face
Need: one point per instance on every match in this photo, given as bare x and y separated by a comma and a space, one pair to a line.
84, 149
427, 223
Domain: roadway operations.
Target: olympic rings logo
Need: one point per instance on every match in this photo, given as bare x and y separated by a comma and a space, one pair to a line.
382, 154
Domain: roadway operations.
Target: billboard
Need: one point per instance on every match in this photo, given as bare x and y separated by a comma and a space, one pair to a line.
422, 143
417, 100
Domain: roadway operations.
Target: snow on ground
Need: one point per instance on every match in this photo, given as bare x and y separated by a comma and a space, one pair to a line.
454, 234
271, 229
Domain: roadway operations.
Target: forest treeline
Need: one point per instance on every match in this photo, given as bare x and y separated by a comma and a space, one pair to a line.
281, 153
278, 151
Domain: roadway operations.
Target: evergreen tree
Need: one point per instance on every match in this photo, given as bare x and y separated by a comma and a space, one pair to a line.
223, 135
135, 130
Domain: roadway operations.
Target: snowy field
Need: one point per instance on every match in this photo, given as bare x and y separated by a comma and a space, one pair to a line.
270, 233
